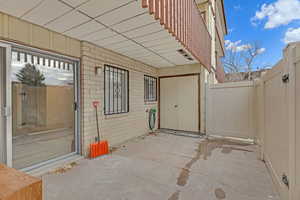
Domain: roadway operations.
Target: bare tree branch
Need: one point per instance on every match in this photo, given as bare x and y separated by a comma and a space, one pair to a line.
239, 59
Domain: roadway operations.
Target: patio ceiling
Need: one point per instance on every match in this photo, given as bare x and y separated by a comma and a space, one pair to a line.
122, 26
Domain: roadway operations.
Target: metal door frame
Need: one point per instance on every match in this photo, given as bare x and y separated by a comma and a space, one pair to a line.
8, 103
2, 122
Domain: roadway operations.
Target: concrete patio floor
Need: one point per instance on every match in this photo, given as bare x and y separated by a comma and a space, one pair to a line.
166, 166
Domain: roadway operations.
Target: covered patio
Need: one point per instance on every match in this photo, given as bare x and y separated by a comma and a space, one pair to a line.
102, 51
166, 166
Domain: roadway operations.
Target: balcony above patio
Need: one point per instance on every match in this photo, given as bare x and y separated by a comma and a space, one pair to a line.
161, 33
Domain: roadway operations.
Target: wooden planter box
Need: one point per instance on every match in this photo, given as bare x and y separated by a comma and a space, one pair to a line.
16, 185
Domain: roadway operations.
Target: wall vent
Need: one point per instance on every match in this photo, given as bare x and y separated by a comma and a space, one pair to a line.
185, 54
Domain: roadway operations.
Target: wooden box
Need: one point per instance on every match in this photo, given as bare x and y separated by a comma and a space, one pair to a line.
16, 185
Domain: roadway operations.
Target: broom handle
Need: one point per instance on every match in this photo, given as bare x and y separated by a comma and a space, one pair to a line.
97, 124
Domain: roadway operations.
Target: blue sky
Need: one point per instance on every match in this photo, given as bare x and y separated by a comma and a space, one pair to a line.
272, 23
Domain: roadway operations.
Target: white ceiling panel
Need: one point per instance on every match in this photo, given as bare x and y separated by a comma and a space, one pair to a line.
152, 36
16, 7
171, 53
121, 44
134, 23
131, 47
85, 29
153, 43
158, 63
163, 63
171, 46
140, 53
111, 41
164, 45
165, 51
95, 36
46, 11
67, 21
177, 62
140, 56
177, 58
74, 3
153, 58
122, 14
96, 8
147, 56
148, 29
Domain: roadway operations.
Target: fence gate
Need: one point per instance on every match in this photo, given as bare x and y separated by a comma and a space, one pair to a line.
276, 134
230, 110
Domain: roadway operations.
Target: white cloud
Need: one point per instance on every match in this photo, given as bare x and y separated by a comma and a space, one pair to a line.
243, 47
261, 50
292, 35
281, 12
239, 47
236, 46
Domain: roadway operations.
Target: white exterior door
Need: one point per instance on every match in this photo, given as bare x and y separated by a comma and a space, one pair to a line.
179, 106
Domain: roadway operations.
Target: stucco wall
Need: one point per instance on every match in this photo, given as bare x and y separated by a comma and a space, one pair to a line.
120, 127
22, 32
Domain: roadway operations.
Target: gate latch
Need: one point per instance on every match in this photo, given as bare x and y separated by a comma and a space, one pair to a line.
286, 78
75, 106
6, 111
285, 180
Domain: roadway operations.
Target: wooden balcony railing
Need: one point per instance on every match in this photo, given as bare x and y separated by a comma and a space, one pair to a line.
183, 20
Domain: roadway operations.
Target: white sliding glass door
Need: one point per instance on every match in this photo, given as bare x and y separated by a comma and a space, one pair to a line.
43, 105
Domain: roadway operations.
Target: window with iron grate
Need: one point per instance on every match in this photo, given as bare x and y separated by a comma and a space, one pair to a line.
116, 90
150, 84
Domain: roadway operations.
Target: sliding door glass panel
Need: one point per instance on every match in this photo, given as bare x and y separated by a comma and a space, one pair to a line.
42, 107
